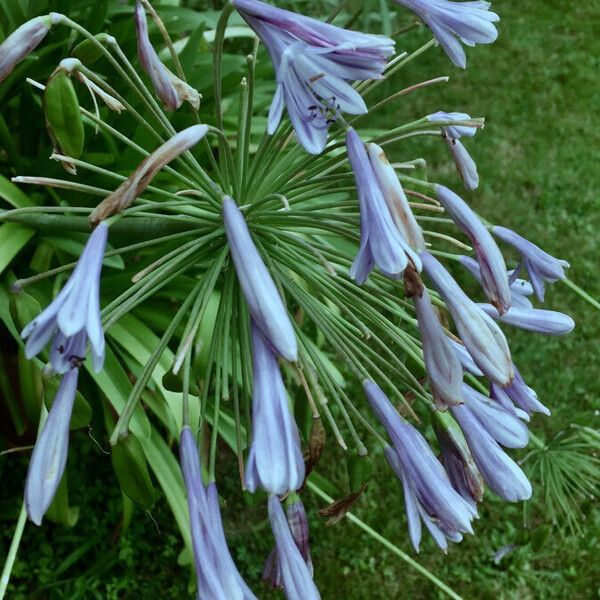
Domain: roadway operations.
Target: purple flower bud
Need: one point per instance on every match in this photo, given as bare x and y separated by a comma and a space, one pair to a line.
298, 523
466, 360
523, 396
519, 288
428, 494
458, 460
454, 22
381, 243
295, 574
171, 90
549, 322
444, 370
216, 573
483, 339
396, 198
264, 302
500, 472
314, 62
465, 165
74, 315
499, 395
275, 460
542, 267
494, 279
49, 456
24, 40
454, 132
503, 425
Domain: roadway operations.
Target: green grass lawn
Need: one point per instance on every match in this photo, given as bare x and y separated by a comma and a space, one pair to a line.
539, 89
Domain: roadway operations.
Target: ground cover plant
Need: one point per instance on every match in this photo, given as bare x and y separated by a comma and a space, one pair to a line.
583, 444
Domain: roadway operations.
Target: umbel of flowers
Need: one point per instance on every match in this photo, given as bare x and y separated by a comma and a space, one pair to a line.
322, 71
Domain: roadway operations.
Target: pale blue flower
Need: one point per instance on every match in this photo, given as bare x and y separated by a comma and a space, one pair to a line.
483, 339
494, 278
381, 242
217, 576
49, 457
454, 132
295, 574
519, 393
171, 90
74, 315
264, 301
542, 267
428, 493
549, 322
275, 461
314, 63
455, 22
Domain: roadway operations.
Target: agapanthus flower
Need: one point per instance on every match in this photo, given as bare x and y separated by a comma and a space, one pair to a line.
275, 460
171, 90
483, 339
499, 471
542, 267
519, 393
494, 279
443, 368
550, 322
264, 301
73, 317
520, 289
454, 132
503, 425
295, 574
217, 576
24, 40
49, 457
298, 523
381, 242
455, 22
140, 179
466, 360
428, 493
458, 460
314, 63
396, 199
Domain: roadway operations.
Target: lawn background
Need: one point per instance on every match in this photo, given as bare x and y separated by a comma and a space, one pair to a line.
539, 89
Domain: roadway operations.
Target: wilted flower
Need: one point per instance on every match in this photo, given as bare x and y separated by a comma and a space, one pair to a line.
483, 339
171, 90
396, 198
49, 456
444, 370
140, 179
504, 426
541, 266
521, 394
295, 574
381, 242
298, 523
500, 472
275, 460
216, 573
314, 62
74, 315
264, 301
519, 288
494, 279
428, 494
455, 22
458, 460
549, 322
23, 41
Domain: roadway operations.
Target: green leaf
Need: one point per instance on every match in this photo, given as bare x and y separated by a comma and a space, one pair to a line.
63, 116
13, 238
87, 51
129, 463
59, 511
12, 194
